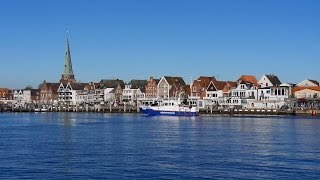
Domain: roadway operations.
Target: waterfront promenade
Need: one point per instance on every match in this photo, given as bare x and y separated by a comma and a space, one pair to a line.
208, 111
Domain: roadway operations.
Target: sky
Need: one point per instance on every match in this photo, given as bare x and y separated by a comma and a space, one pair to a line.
136, 39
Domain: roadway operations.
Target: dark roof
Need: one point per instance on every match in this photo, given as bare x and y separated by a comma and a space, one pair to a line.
111, 83
35, 92
177, 81
156, 80
138, 84
77, 86
314, 82
274, 79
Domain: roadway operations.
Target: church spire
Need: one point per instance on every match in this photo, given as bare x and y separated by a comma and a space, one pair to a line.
67, 75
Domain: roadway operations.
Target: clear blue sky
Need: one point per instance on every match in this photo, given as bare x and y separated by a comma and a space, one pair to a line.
140, 38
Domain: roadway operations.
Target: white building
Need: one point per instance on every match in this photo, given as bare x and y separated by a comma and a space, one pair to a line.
269, 80
21, 98
109, 95
71, 94
134, 91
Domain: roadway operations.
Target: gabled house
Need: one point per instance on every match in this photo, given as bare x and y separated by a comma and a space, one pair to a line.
271, 89
199, 87
151, 88
23, 97
95, 95
308, 83
170, 87
269, 80
49, 92
117, 84
68, 93
132, 89
215, 90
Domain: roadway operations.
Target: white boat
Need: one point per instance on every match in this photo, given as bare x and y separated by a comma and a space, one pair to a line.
170, 108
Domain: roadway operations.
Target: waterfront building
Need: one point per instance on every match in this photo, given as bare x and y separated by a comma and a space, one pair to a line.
95, 94
269, 80
247, 86
23, 98
306, 92
235, 94
151, 88
308, 83
4, 93
134, 90
217, 90
49, 93
81, 98
199, 87
68, 93
109, 95
67, 75
117, 84
270, 93
170, 87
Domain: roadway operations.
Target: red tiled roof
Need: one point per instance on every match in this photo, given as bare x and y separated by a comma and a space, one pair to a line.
204, 81
232, 84
249, 78
219, 84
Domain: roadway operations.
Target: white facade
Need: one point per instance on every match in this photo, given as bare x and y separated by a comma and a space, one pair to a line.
66, 95
265, 82
163, 88
21, 97
81, 97
307, 93
109, 95
213, 94
244, 91
273, 93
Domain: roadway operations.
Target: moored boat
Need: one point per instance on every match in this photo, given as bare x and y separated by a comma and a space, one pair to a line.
170, 108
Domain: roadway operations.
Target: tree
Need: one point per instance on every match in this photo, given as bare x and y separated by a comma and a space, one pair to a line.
29, 87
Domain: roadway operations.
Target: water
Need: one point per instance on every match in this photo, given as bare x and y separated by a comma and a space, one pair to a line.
115, 146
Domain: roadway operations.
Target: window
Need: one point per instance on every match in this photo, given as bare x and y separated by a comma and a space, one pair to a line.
194, 89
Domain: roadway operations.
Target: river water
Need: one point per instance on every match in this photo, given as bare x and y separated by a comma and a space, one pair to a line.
132, 146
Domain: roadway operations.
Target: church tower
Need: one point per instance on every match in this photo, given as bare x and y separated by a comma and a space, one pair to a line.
67, 75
